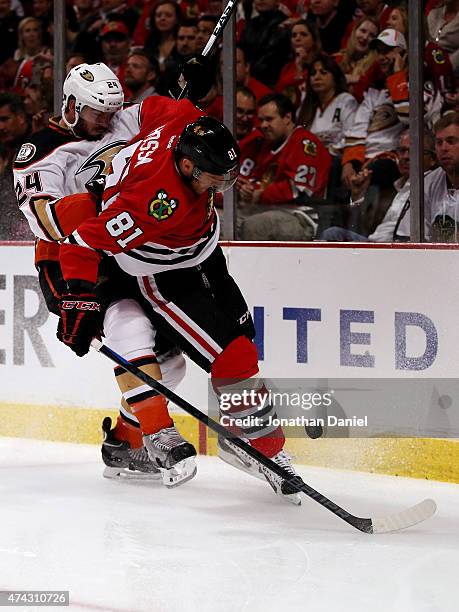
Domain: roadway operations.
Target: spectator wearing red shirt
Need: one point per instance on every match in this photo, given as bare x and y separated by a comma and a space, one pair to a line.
248, 135
357, 60
305, 41
292, 165
292, 161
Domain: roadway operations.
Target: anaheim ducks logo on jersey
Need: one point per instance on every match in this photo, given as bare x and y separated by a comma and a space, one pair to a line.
101, 160
87, 75
385, 116
162, 207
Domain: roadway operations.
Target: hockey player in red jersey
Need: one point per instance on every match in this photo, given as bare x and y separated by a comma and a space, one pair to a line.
50, 170
160, 224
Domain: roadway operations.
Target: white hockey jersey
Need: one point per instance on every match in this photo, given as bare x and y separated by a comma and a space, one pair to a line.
379, 121
442, 206
54, 164
334, 121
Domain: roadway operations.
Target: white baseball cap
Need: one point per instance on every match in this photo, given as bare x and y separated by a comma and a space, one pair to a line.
390, 38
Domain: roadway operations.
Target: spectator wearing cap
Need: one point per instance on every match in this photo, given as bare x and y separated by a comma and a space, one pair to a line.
140, 76
357, 60
116, 44
9, 22
266, 46
331, 22
379, 121
439, 77
443, 23
305, 42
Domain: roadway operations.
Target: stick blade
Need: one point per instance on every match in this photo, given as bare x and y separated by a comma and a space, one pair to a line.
406, 518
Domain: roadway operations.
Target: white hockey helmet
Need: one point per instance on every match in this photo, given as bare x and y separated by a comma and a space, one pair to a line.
93, 85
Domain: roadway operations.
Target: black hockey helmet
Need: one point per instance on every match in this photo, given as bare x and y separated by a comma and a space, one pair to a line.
212, 148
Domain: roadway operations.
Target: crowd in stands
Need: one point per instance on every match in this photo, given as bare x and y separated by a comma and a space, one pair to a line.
322, 103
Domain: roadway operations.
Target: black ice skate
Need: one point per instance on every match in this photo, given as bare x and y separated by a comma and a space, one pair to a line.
123, 461
173, 455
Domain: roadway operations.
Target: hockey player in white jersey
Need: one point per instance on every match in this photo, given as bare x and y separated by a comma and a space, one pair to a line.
72, 156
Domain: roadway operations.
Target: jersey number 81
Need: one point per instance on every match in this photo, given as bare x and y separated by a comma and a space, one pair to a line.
119, 225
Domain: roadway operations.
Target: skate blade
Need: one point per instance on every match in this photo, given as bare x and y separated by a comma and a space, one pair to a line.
182, 472
293, 498
115, 473
238, 463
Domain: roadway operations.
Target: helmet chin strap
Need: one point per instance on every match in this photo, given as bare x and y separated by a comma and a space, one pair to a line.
72, 125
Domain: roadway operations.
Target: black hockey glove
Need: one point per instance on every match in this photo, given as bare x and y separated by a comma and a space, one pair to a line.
96, 188
199, 74
80, 317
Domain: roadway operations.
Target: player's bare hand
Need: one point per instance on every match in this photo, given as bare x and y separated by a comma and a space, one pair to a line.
347, 174
360, 183
245, 189
400, 61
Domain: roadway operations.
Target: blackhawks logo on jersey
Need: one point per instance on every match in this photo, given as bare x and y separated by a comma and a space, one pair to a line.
162, 207
438, 56
310, 148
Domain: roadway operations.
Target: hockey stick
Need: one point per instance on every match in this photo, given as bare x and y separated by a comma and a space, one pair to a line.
218, 31
394, 522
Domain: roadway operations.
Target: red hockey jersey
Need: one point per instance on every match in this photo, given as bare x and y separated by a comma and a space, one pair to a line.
152, 221
300, 165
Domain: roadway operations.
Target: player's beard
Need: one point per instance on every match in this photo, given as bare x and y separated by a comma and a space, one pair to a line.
81, 131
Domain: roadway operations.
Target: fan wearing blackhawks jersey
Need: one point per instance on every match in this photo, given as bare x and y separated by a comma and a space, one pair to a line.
291, 163
159, 222
51, 170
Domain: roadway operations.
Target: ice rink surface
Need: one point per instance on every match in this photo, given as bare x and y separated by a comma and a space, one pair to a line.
221, 543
